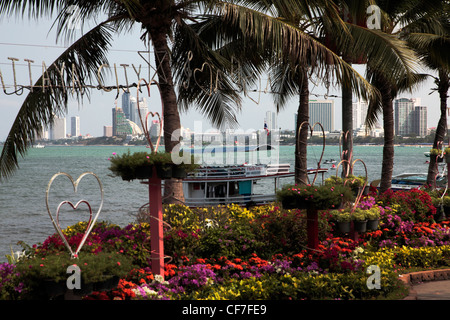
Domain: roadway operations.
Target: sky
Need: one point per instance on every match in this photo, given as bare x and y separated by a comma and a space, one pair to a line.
34, 40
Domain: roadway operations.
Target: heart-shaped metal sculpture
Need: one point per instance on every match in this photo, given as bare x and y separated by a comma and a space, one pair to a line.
145, 123
201, 70
351, 166
323, 143
91, 221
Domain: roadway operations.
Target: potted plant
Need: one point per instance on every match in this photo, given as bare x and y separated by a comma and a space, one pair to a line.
334, 180
318, 197
446, 205
46, 276
181, 170
373, 218
163, 164
359, 220
438, 203
343, 220
140, 165
447, 154
436, 154
356, 183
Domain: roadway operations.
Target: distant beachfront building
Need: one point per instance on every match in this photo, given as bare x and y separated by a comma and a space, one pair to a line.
322, 111
271, 121
359, 113
126, 104
75, 126
107, 131
120, 123
410, 118
58, 129
134, 112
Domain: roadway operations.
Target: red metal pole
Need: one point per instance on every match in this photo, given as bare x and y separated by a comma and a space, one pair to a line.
156, 224
312, 226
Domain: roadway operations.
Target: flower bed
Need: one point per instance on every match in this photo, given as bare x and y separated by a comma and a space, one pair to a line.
230, 252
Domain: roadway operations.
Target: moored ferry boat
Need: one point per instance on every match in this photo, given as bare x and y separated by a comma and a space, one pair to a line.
215, 185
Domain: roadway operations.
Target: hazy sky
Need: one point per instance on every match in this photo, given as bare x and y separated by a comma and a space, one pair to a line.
31, 39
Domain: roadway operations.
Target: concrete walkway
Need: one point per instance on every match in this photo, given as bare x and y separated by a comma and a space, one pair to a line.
428, 285
433, 290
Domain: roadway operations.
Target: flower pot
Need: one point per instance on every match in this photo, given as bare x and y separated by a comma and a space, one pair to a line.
54, 289
85, 289
447, 158
128, 177
440, 214
372, 224
289, 203
109, 283
447, 211
343, 226
144, 172
366, 190
178, 172
164, 171
360, 226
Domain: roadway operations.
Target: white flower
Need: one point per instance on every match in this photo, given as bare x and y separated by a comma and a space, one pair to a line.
159, 278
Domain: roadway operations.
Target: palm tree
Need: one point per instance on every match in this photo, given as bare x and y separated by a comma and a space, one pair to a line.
385, 52
398, 18
433, 47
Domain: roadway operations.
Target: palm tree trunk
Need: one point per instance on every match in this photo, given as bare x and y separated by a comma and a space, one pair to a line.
441, 130
173, 188
301, 174
388, 149
347, 128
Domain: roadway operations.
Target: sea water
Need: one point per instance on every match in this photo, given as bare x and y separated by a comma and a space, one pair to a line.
23, 211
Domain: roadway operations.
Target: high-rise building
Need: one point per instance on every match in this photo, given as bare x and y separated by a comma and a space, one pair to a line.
322, 111
75, 126
155, 129
271, 121
121, 124
359, 113
410, 118
403, 113
126, 104
107, 131
420, 123
143, 110
58, 129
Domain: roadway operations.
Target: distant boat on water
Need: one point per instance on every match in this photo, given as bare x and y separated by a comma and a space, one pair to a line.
38, 146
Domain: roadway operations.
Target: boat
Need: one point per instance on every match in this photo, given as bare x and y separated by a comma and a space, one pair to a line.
39, 146
330, 161
222, 185
427, 154
408, 181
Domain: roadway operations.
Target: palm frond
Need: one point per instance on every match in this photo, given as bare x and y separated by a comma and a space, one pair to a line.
433, 49
80, 61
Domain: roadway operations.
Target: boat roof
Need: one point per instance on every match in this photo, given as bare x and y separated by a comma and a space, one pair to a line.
244, 172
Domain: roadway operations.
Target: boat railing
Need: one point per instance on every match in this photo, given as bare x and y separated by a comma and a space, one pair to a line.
240, 171
278, 168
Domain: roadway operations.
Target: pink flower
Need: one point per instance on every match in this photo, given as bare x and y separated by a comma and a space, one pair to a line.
114, 153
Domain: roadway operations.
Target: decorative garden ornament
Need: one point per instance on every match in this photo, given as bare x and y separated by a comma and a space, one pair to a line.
55, 219
153, 114
351, 166
323, 143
